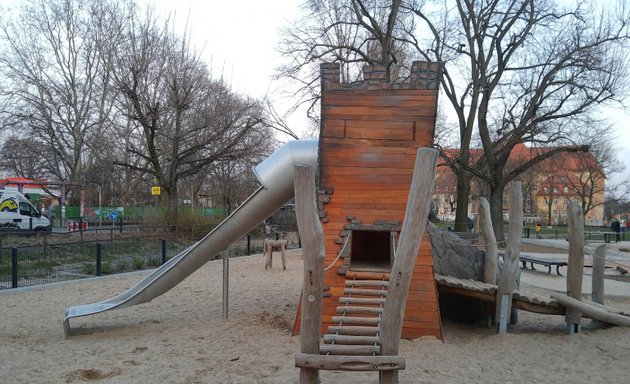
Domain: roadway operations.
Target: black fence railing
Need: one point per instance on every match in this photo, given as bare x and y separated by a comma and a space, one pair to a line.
29, 265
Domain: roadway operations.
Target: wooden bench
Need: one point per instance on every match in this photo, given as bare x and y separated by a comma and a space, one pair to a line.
269, 246
546, 262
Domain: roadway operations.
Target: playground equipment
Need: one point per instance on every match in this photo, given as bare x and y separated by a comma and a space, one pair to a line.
275, 175
366, 348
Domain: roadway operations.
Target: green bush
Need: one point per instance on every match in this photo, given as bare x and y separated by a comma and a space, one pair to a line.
88, 268
137, 262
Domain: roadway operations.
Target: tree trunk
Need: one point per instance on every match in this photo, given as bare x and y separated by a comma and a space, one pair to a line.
463, 193
172, 207
496, 211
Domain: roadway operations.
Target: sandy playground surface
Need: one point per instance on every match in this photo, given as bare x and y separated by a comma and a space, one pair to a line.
181, 338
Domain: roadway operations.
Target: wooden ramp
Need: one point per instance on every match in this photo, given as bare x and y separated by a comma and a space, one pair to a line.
488, 292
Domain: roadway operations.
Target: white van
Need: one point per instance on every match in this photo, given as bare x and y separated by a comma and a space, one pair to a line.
17, 213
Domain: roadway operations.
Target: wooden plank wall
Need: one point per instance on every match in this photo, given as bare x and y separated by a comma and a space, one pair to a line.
369, 135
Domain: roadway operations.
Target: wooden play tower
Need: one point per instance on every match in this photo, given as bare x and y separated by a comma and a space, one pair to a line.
370, 131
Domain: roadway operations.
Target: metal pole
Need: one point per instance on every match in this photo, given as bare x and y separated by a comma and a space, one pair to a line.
226, 283
163, 251
14, 267
249, 244
99, 259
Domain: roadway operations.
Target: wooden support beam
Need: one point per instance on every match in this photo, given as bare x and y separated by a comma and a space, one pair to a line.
510, 260
349, 363
490, 241
575, 269
414, 225
365, 292
312, 236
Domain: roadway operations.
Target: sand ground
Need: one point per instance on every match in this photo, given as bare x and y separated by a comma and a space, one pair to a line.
180, 337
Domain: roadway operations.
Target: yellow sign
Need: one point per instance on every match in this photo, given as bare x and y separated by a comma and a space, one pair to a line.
155, 190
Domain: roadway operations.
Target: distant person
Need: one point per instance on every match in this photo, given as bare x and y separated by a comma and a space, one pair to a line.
538, 231
616, 227
627, 225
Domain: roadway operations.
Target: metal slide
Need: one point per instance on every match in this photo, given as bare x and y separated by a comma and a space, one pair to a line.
276, 176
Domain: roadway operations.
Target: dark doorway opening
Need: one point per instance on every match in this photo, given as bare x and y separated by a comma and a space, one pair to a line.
370, 251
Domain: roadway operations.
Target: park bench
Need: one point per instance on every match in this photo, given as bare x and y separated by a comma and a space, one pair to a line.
545, 262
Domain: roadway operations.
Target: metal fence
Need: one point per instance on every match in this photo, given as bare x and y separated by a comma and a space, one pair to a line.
22, 266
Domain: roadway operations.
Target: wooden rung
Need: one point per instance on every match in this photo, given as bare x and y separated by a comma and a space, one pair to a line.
362, 300
361, 350
350, 339
357, 309
364, 275
367, 283
356, 320
349, 363
365, 292
353, 330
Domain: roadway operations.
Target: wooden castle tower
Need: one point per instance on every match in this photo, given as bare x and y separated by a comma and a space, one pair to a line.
370, 131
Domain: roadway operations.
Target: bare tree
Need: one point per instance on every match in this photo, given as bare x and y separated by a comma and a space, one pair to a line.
521, 72
57, 79
515, 71
184, 121
350, 32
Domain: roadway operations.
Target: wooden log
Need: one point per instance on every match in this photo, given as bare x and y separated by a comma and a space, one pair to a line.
510, 260
362, 300
355, 320
353, 330
575, 269
490, 241
592, 311
367, 283
312, 236
350, 339
357, 309
599, 264
365, 292
349, 363
413, 227
360, 350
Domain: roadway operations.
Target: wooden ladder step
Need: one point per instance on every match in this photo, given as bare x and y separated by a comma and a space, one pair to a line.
357, 330
367, 283
365, 292
364, 275
362, 300
355, 320
357, 309
349, 363
360, 350
350, 339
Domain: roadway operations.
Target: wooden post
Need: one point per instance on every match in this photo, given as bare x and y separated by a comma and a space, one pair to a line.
312, 236
599, 264
485, 226
575, 269
413, 227
484, 221
510, 261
